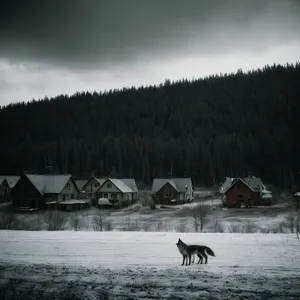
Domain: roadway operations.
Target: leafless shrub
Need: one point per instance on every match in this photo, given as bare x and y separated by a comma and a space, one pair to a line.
146, 226
244, 227
217, 225
266, 230
200, 215
75, 221
7, 218
99, 219
235, 228
181, 227
249, 227
130, 225
55, 220
291, 223
159, 226
108, 225
146, 200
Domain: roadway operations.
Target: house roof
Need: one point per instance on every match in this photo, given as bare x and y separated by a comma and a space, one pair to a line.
49, 184
131, 183
80, 183
123, 187
100, 180
227, 183
2, 179
12, 180
178, 183
254, 183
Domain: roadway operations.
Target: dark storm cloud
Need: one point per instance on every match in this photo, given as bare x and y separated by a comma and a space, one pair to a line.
97, 33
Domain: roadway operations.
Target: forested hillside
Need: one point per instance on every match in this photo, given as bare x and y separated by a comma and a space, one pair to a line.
209, 128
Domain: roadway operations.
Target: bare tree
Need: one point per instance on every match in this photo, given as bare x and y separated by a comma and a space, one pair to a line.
55, 220
217, 225
7, 218
99, 219
200, 215
75, 221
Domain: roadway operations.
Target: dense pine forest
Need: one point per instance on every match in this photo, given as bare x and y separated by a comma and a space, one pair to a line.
222, 125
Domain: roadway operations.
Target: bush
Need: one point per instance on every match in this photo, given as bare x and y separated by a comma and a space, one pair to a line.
217, 226
99, 220
55, 220
7, 218
181, 227
200, 215
75, 221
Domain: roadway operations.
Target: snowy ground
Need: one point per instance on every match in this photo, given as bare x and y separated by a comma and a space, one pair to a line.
140, 265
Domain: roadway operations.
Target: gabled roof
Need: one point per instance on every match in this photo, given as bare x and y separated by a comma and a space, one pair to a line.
12, 180
254, 183
131, 183
80, 183
99, 180
49, 184
2, 179
119, 184
227, 183
178, 183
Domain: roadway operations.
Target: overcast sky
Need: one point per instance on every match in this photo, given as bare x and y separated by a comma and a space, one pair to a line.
63, 46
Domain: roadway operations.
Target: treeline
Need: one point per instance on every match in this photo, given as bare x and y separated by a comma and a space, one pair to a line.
222, 125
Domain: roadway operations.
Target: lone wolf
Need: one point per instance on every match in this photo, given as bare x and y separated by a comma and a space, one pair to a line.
188, 250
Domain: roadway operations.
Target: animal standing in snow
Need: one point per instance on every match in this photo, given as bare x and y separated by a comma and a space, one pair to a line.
188, 250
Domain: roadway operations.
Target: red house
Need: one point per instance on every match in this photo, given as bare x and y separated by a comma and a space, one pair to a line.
246, 191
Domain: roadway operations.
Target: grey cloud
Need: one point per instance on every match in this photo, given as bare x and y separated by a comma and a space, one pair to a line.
97, 33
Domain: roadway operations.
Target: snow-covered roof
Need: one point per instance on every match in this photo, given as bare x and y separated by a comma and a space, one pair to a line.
80, 183
74, 201
124, 188
131, 183
2, 179
99, 180
266, 196
12, 180
104, 201
178, 183
49, 184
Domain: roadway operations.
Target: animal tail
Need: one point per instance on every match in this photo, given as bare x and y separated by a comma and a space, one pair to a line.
209, 251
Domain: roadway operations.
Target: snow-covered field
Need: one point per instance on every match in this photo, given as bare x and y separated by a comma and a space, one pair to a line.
146, 265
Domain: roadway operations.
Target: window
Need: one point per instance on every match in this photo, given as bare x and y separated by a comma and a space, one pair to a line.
96, 184
168, 195
68, 186
105, 195
113, 196
108, 185
90, 195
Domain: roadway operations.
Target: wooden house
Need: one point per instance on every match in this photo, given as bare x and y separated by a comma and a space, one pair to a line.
4, 190
172, 191
116, 191
248, 191
43, 191
90, 188
7, 183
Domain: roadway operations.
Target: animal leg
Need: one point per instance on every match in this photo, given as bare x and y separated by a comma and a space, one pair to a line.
183, 260
200, 259
205, 256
